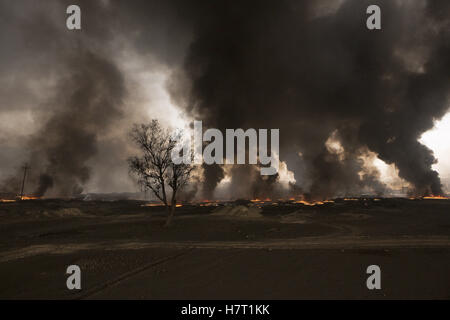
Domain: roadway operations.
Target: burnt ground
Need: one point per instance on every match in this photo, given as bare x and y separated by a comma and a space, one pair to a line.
288, 251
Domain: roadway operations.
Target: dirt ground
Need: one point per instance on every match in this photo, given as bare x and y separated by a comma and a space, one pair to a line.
286, 251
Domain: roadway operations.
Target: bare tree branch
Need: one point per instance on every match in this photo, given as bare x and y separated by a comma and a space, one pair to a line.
155, 169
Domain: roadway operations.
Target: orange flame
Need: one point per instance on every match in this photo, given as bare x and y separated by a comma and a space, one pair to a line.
435, 198
30, 198
313, 203
158, 204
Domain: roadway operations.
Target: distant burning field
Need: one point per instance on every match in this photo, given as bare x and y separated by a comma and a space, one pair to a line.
292, 202
30, 205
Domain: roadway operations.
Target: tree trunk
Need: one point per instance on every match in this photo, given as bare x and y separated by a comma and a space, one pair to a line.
167, 212
170, 215
173, 204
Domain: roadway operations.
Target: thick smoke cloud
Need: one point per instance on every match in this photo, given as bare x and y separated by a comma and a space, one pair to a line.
212, 175
310, 68
280, 64
88, 101
73, 86
83, 101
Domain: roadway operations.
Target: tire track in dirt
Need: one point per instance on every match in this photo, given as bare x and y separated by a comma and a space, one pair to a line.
124, 276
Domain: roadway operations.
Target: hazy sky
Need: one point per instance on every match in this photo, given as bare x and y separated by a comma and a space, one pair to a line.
437, 139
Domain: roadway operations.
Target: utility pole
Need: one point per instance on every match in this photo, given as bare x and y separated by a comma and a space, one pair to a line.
25, 168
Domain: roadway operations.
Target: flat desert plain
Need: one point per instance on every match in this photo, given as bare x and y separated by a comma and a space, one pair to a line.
228, 251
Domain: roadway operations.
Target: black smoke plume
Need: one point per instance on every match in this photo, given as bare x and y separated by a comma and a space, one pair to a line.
81, 105
310, 68
313, 69
88, 102
212, 175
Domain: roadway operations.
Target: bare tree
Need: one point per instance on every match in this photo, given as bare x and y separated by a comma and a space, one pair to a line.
155, 169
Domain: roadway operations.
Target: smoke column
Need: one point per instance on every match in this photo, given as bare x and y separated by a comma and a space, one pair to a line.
320, 73
88, 101
336, 90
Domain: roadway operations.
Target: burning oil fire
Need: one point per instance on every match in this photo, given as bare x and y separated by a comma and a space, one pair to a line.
30, 198
261, 200
19, 198
208, 203
299, 200
313, 203
159, 204
435, 198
